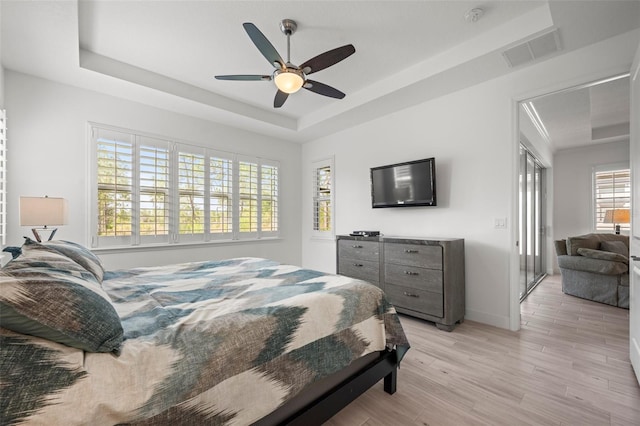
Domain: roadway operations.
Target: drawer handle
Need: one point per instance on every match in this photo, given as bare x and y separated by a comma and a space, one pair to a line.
359, 265
411, 251
411, 273
411, 294
356, 246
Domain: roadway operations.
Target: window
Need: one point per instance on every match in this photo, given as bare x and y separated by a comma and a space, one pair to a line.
323, 197
153, 191
612, 198
3, 177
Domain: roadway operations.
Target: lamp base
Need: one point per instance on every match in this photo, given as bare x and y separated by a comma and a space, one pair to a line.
37, 235
617, 229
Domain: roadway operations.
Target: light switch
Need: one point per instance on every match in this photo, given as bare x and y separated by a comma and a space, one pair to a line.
500, 222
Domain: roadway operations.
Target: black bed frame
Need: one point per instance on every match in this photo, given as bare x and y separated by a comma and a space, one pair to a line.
325, 407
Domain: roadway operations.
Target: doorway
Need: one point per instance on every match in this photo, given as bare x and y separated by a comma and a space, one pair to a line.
531, 222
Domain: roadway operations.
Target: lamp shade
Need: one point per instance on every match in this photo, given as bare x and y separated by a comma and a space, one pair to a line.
43, 211
288, 81
617, 216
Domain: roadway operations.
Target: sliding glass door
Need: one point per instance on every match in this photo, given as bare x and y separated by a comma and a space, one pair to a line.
531, 222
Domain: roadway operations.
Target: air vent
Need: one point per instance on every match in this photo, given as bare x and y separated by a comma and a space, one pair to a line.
533, 49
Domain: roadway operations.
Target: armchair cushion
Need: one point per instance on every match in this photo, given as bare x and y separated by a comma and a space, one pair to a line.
575, 243
597, 266
603, 255
561, 247
615, 247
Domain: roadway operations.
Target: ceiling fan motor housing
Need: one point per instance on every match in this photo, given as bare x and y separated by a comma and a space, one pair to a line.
288, 26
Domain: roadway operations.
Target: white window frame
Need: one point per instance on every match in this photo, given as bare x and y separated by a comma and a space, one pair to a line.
3, 177
174, 236
317, 196
617, 167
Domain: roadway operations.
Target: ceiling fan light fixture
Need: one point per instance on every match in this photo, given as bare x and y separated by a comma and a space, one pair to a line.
288, 80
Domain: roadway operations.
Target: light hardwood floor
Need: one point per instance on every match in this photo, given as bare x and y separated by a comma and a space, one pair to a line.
568, 365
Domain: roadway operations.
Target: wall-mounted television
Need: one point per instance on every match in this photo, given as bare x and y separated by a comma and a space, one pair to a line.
404, 184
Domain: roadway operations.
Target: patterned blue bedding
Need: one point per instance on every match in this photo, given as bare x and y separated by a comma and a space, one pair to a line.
218, 342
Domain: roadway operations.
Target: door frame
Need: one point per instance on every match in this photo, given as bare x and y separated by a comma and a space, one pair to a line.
514, 261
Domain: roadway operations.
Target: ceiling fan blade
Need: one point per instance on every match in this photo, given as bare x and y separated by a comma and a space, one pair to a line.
328, 58
323, 89
244, 77
264, 46
278, 101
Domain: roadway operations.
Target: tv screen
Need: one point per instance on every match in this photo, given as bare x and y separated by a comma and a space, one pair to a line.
404, 184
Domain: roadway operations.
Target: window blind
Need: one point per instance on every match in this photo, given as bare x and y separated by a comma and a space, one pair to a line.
322, 196
220, 196
248, 184
612, 196
3, 177
115, 184
153, 190
269, 191
155, 200
191, 182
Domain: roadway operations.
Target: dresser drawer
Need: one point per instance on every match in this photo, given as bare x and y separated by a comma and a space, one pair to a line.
422, 301
422, 256
410, 276
360, 269
360, 250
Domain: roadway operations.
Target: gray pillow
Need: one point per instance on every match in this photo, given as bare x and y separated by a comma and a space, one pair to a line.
615, 247
79, 254
575, 243
603, 255
561, 247
45, 294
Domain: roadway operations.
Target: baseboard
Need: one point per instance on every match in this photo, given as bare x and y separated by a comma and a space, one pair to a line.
485, 318
635, 357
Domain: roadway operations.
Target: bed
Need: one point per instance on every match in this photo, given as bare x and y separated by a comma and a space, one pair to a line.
230, 342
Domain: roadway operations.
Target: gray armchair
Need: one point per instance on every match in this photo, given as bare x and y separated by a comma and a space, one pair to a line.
595, 267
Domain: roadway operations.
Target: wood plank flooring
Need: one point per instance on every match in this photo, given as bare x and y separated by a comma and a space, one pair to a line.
568, 365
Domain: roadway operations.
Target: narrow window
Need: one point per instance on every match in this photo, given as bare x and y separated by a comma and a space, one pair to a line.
323, 198
248, 184
269, 192
220, 196
154, 166
3, 177
612, 199
115, 185
191, 179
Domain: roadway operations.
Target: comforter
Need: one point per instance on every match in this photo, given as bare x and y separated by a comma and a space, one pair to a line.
218, 342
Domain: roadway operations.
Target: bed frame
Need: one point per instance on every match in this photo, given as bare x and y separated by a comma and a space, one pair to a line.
339, 396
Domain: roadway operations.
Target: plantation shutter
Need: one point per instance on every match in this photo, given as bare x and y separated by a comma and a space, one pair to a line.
323, 197
612, 199
155, 198
3, 177
156, 191
192, 210
115, 171
269, 199
248, 197
220, 196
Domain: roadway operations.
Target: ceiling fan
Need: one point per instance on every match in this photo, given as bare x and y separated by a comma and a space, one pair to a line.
288, 77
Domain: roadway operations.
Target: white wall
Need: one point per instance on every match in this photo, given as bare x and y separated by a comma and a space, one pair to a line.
473, 136
48, 155
573, 191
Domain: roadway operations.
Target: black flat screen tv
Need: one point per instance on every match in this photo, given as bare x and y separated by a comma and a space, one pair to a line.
404, 184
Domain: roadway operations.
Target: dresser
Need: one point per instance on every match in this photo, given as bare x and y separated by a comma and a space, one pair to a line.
421, 277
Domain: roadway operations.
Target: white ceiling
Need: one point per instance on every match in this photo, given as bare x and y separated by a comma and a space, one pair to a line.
165, 53
586, 115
